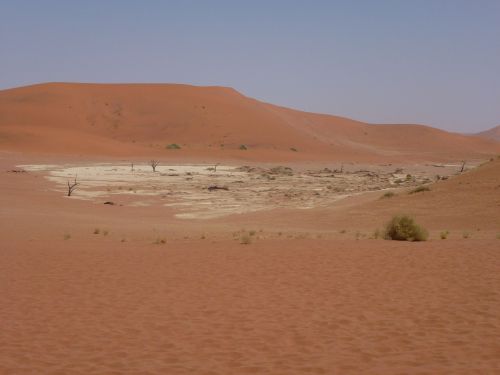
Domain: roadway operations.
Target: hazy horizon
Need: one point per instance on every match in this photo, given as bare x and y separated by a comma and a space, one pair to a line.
432, 62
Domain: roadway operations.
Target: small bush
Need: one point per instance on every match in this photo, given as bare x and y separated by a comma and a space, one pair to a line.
388, 194
243, 147
160, 241
444, 234
465, 235
173, 146
245, 240
293, 149
404, 228
420, 189
97, 231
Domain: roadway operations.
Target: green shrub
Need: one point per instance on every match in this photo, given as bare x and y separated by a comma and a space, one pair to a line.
404, 228
420, 189
173, 146
444, 234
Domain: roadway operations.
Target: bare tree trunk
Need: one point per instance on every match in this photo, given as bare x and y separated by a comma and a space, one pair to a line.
463, 166
154, 164
71, 187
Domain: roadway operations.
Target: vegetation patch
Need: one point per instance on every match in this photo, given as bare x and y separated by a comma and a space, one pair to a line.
388, 194
420, 189
243, 147
444, 234
404, 228
173, 146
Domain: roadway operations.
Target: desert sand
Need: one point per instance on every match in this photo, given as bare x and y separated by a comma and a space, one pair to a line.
281, 273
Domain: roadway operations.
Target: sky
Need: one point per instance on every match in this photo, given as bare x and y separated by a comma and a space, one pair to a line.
431, 62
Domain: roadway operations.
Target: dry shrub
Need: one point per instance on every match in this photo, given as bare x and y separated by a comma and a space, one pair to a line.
404, 228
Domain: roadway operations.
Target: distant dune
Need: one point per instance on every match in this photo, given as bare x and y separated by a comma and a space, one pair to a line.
493, 133
142, 119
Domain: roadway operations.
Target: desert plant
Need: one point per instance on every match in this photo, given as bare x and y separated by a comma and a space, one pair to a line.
160, 241
388, 194
72, 187
245, 240
293, 149
465, 235
154, 164
97, 231
420, 189
404, 228
173, 146
463, 166
444, 234
105, 232
243, 147
67, 236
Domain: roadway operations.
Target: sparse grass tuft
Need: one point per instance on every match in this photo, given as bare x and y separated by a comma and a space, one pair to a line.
243, 147
160, 241
388, 194
173, 146
97, 231
466, 235
404, 228
444, 234
420, 189
343, 231
245, 239
377, 234
252, 232
105, 232
293, 149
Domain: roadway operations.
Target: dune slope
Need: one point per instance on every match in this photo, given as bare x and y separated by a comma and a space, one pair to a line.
493, 133
124, 119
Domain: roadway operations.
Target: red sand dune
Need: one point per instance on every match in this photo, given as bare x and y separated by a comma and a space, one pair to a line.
493, 133
124, 119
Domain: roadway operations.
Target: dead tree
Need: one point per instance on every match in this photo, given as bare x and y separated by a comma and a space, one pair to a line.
72, 187
215, 167
463, 166
132, 167
154, 164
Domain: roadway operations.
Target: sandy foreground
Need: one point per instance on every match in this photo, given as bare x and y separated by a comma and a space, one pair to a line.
89, 288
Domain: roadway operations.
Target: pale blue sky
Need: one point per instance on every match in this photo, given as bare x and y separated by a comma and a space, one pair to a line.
432, 62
